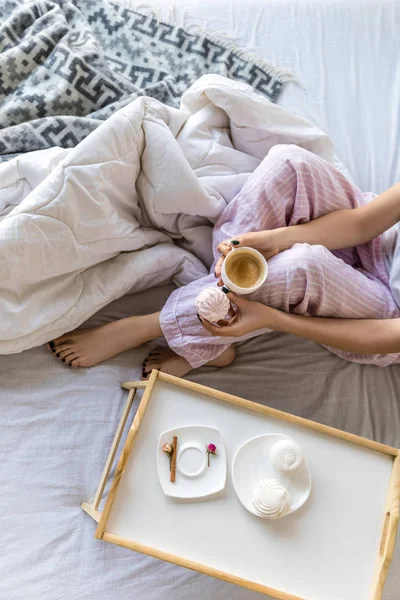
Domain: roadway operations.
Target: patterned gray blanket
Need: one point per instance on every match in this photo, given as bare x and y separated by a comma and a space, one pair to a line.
65, 66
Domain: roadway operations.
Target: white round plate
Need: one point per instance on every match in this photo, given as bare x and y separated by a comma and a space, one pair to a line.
252, 463
194, 478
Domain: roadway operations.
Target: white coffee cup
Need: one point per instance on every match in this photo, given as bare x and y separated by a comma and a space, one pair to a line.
235, 288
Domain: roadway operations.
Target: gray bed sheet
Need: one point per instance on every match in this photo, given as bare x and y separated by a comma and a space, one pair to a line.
57, 426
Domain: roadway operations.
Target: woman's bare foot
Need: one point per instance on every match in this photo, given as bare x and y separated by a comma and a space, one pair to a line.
167, 361
87, 347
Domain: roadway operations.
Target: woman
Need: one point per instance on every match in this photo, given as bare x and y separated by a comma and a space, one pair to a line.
326, 255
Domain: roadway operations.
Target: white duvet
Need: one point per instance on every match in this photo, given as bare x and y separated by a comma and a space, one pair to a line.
130, 207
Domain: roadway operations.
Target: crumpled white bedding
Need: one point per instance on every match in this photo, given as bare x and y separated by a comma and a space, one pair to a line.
84, 226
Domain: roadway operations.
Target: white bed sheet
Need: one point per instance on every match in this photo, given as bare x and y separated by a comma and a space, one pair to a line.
344, 52
56, 425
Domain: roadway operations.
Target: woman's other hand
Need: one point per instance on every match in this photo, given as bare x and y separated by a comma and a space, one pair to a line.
250, 316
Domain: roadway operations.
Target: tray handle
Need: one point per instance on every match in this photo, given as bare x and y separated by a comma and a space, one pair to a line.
390, 526
92, 508
389, 530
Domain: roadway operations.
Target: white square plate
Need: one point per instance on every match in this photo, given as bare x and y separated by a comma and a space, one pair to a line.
194, 478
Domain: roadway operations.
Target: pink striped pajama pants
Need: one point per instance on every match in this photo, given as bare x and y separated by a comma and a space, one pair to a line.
291, 186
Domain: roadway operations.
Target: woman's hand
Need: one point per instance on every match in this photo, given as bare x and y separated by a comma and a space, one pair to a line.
263, 241
250, 316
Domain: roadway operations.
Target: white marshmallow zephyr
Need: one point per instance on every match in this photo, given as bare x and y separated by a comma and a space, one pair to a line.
271, 499
212, 304
286, 455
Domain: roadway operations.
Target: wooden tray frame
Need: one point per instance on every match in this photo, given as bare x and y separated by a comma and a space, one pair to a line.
392, 509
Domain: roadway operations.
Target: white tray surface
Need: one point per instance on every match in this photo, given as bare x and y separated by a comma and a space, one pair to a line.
324, 551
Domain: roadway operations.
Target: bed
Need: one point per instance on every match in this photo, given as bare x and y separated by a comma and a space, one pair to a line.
57, 426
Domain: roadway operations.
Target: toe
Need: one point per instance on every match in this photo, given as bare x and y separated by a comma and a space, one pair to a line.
71, 357
66, 359
62, 347
148, 365
85, 362
74, 363
62, 354
60, 340
146, 370
151, 364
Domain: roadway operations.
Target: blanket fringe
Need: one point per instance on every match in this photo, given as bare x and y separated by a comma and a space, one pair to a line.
284, 75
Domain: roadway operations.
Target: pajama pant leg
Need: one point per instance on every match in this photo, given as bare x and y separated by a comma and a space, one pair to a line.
291, 186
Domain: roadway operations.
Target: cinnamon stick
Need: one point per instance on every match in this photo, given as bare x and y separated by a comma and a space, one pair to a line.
173, 459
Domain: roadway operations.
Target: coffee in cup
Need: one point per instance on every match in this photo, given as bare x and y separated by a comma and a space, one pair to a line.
244, 270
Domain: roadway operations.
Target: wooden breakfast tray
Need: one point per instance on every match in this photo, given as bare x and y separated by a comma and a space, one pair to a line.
338, 545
